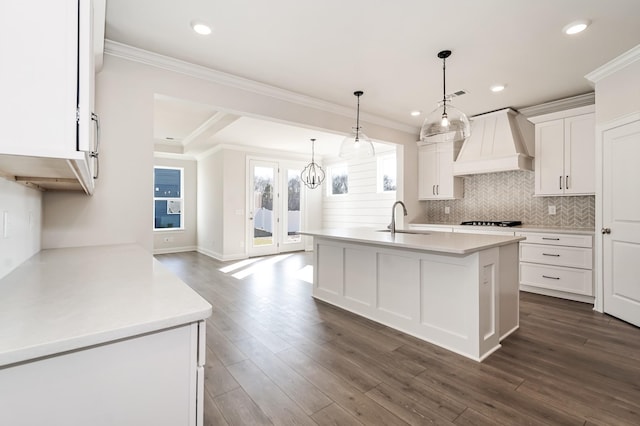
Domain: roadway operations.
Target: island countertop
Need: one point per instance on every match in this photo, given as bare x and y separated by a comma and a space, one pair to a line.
66, 299
440, 242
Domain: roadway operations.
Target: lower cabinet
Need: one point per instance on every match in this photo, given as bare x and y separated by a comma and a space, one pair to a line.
154, 379
559, 265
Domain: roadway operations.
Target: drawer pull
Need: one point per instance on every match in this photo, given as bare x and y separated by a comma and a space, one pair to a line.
551, 278
550, 254
551, 239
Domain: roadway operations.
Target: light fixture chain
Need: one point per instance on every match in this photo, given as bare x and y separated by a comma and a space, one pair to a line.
444, 86
358, 121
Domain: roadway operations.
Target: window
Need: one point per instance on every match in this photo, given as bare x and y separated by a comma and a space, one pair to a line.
167, 198
339, 180
387, 173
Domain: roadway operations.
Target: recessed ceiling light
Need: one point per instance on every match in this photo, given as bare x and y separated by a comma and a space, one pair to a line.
576, 27
200, 28
415, 113
497, 88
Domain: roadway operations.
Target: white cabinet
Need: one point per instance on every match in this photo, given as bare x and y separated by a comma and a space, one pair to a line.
46, 83
557, 265
435, 172
152, 379
565, 152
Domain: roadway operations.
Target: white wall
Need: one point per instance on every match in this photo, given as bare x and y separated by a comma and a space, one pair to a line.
222, 198
363, 205
618, 94
185, 239
210, 220
121, 209
23, 209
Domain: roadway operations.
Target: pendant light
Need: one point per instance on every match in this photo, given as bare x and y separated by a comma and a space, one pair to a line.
446, 123
312, 175
357, 145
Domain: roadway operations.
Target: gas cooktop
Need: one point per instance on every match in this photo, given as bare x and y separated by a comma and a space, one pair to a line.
492, 222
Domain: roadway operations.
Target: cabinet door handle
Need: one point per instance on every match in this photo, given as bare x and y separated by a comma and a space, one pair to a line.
437, 189
566, 182
560, 182
551, 239
94, 154
551, 254
551, 278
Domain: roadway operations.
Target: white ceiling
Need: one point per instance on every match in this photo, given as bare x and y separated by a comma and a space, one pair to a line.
327, 49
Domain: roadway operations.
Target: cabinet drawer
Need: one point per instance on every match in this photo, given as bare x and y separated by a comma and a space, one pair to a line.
558, 239
576, 257
579, 281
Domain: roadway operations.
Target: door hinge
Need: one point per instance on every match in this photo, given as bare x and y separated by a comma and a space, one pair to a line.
77, 115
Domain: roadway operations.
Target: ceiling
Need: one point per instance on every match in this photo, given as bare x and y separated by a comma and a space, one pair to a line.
328, 49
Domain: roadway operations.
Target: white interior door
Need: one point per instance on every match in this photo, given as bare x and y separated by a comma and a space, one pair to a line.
621, 222
276, 207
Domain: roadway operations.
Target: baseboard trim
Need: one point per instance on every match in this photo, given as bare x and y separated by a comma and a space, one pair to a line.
174, 250
220, 257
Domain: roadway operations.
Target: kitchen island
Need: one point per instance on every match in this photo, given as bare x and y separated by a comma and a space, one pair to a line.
456, 290
100, 336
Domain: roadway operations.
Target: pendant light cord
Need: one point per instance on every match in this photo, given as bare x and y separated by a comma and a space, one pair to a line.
358, 118
444, 86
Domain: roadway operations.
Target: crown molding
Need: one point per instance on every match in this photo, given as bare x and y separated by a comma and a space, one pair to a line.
168, 63
615, 65
173, 156
295, 156
559, 105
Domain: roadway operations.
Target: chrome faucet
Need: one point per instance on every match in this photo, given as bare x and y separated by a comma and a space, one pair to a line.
392, 225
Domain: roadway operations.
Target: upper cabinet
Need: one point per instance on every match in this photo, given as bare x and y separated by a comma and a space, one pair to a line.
435, 172
565, 152
49, 131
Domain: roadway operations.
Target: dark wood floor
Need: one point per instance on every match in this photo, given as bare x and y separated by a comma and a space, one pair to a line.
277, 356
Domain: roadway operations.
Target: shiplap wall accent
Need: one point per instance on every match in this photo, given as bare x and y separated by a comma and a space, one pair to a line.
363, 205
509, 196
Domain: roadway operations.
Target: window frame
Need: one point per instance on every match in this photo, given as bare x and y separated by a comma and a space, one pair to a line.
181, 199
330, 170
380, 172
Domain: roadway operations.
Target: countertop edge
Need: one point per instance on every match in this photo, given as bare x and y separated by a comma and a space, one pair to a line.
521, 228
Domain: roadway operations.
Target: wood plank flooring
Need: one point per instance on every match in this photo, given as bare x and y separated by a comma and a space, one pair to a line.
277, 356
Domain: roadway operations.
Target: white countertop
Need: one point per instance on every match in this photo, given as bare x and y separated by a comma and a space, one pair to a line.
441, 242
65, 299
519, 228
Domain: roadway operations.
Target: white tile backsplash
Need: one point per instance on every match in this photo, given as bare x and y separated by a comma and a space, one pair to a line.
509, 196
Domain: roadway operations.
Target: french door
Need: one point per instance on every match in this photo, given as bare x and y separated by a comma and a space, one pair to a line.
275, 207
621, 222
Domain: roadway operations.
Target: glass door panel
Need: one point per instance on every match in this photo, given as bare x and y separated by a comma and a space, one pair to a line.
263, 208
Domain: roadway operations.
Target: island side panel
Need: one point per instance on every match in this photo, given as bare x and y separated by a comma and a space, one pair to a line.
509, 289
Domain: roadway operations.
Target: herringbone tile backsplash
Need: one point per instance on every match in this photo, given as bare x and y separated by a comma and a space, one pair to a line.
509, 196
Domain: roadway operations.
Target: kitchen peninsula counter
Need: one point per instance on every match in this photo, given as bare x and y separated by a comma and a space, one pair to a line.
458, 291
93, 335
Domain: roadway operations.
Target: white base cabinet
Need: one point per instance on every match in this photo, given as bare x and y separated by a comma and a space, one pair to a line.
464, 303
154, 379
557, 265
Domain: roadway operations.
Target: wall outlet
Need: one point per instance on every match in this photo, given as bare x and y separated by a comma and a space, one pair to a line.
552, 210
168, 239
447, 210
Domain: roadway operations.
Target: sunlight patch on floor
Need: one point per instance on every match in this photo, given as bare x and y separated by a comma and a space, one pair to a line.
264, 263
305, 274
239, 265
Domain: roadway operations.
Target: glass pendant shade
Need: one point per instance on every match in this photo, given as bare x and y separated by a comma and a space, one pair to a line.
312, 175
357, 145
439, 126
446, 123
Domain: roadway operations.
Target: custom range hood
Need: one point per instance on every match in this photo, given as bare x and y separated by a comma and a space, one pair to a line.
500, 141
